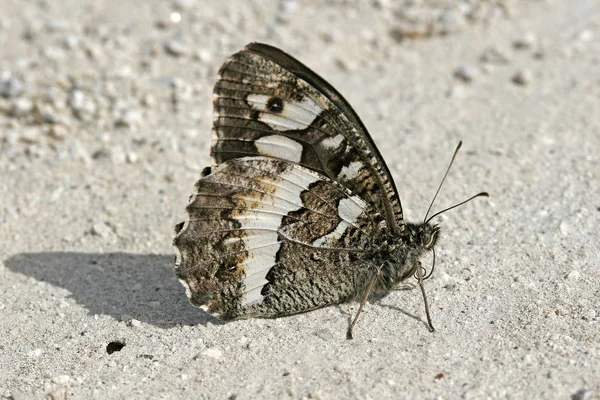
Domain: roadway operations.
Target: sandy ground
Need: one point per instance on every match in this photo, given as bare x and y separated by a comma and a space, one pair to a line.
105, 118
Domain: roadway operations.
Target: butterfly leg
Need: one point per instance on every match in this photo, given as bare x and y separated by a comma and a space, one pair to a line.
362, 303
419, 277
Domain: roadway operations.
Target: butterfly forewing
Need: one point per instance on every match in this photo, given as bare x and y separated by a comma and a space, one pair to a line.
269, 104
265, 225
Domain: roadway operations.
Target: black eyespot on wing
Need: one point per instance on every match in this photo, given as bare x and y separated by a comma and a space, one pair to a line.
275, 105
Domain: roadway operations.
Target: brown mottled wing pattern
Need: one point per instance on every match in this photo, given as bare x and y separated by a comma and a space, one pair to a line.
267, 237
267, 103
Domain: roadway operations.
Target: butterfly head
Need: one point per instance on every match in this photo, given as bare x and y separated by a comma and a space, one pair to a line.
427, 235
399, 255
422, 236
418, 238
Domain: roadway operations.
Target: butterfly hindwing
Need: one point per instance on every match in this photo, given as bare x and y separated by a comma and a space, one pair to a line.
269, 104
258, 226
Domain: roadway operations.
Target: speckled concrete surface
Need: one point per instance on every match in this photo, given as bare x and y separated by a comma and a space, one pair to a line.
105, 117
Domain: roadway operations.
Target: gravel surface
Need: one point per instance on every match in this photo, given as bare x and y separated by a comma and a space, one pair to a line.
105, 119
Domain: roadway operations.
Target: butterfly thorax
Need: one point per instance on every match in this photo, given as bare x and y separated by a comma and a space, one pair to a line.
396, 256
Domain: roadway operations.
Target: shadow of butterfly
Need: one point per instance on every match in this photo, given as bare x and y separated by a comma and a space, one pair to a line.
299, 210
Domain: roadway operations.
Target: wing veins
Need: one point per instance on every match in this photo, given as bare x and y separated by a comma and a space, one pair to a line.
334, 186
312, 145
260, 202
308, 111
271, 122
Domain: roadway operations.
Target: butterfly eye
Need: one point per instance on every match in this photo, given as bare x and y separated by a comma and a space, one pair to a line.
428, 240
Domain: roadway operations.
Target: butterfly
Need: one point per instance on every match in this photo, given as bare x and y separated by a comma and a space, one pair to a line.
299, 210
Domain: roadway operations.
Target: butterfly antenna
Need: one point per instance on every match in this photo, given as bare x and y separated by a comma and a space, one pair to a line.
482, 194
443, 179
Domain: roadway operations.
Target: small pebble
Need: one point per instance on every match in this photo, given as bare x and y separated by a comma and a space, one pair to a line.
175, 17
451, 287
574, 275
132, 157
161, 24
10, 87
76, 99
94, 52
451, 22
493, 55
565, 228
36, 353
87, 112
586, 36
102, 230
101, 154
345, 65
243, 341
589, 314
31, 32
285, 11
53, 53
70, 42
169, 177
176, 48
129, 118
465, 73
148, 100
582, 394
527, 41
457, 92
56, 26
57, 132
204, 55
212, 352
539, 54
45, 114
56, 194
522, 77
21, 107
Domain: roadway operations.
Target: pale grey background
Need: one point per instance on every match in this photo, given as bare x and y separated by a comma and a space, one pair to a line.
105, 117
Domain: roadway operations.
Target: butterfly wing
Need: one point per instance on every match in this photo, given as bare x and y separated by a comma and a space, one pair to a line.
267, 103
268, 237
